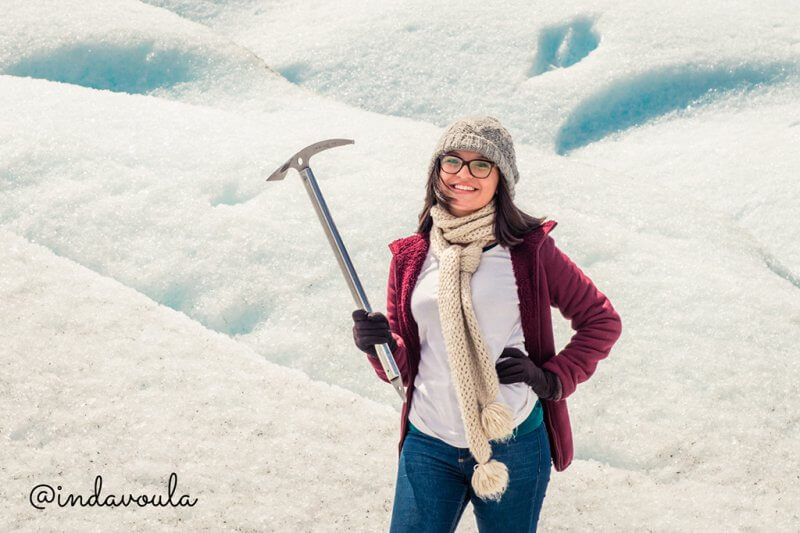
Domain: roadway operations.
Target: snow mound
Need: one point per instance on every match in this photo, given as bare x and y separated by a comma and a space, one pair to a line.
563, 45
258, 445
642, 97
139, 67
134, 48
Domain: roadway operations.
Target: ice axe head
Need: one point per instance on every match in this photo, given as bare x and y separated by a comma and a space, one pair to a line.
300, 160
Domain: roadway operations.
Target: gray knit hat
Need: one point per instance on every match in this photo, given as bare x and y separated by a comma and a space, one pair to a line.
485, 135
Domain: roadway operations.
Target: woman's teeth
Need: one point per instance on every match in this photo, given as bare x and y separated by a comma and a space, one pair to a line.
463, 188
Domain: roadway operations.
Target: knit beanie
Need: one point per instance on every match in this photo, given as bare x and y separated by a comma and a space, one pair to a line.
483, 134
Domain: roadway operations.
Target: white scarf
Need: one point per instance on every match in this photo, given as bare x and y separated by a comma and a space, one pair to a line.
458, 243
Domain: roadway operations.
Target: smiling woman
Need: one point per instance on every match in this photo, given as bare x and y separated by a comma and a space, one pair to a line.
470, 329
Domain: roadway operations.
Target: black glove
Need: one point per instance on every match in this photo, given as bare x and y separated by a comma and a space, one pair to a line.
519, 368
371, 329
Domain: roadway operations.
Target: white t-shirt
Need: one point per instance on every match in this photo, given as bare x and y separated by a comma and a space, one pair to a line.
434, 406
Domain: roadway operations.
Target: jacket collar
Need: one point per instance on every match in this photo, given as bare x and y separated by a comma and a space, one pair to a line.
416, 245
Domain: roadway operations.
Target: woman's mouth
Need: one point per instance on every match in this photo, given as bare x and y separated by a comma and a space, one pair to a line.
465, 189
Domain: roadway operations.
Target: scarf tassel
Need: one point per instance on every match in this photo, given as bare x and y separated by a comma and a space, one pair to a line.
490, 480
497, 422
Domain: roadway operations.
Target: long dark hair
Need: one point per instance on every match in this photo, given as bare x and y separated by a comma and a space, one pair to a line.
510, 222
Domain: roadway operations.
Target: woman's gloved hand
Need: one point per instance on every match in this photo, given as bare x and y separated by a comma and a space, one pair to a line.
371, 329
519, 368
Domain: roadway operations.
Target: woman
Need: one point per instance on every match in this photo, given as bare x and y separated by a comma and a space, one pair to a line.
468, 322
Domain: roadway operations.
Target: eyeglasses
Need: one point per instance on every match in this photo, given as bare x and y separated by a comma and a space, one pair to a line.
479, 168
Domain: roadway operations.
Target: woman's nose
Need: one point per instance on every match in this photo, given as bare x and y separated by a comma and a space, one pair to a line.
465, 173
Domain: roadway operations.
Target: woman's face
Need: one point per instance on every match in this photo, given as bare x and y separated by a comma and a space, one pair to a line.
465, 202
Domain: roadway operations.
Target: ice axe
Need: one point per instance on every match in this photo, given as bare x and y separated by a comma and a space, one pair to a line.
299, 161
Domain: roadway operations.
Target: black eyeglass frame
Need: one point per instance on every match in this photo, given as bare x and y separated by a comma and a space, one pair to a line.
465, 162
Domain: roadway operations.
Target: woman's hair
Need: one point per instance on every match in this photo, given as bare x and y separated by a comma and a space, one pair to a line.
510, 222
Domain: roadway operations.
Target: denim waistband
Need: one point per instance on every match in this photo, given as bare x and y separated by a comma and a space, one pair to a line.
526, 426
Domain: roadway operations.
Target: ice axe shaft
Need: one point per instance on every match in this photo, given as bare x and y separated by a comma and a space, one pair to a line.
300, 162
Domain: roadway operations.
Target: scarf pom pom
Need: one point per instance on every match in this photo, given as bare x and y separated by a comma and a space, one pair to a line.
490, 480
497, 422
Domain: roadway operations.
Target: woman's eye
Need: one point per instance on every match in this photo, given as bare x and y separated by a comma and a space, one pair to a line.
482, 164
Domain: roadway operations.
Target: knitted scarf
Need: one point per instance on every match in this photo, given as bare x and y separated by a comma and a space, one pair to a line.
457, 242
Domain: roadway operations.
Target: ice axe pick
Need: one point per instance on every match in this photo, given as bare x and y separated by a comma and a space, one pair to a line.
300, 162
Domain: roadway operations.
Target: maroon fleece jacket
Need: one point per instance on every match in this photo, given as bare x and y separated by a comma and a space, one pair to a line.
545, 277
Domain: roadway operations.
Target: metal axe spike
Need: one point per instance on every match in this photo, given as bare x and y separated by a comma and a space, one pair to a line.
300, 162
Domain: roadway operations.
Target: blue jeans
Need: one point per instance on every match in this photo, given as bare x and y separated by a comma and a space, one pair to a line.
434, 485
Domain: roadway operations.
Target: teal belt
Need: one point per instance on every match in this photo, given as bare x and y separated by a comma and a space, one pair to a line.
526, 426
